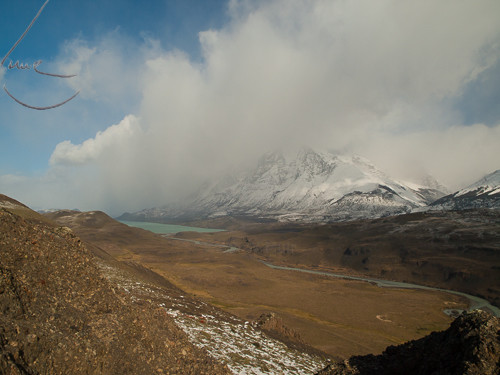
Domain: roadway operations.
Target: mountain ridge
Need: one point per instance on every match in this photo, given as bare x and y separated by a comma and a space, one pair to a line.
484, 193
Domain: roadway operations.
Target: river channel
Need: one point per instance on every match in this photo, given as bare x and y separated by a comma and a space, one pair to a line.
474, 302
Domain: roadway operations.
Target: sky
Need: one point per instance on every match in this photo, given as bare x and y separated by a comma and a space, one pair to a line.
172, 92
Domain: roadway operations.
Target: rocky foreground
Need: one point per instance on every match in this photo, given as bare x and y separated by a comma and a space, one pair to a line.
59, 315
69, 308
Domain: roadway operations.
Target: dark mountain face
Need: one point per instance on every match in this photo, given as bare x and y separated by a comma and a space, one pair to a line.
484, 193
471, 346
469, 200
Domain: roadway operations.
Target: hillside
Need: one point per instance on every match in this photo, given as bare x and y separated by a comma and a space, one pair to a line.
60, 315
338, 317
70, 307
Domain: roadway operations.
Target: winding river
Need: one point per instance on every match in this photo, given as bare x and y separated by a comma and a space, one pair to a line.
168, 230
474, 302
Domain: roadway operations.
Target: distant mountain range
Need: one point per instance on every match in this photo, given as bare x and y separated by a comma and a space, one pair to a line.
314, 186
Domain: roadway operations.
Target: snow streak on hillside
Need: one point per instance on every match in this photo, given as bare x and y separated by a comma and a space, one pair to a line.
239, 344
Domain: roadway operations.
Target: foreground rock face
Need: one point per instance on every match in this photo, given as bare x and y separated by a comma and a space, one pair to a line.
470, 346
59, 315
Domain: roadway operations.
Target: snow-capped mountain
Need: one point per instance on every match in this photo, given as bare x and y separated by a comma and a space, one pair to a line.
484, 193
307, 186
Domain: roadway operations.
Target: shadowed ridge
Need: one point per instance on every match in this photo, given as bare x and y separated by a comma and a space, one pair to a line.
471, 346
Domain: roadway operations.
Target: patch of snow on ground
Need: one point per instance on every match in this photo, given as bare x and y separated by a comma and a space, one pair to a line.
238, 344
243, 348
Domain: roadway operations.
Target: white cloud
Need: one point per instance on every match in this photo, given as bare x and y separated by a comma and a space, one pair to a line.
457, 156
378, 78
67, 153
319, 72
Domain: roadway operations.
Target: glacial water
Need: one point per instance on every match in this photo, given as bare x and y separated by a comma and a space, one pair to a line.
167, 228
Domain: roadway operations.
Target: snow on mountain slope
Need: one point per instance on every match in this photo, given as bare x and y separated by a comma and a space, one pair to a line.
484, 193
489, 184
311, 184
306, 186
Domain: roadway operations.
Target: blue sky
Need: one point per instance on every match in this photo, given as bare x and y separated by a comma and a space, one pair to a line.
28, 137
174, 92
175, 23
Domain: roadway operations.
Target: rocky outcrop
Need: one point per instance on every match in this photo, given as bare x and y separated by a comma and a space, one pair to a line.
274, 326
471, 346
59, 315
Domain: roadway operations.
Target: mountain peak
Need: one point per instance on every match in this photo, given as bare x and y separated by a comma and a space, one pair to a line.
306, 185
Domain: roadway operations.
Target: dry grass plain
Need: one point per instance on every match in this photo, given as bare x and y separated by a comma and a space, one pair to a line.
339, 317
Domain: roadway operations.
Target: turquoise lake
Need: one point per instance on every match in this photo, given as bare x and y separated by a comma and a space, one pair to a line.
167, 228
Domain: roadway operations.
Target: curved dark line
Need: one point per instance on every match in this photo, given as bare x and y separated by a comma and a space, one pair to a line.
39, 108
24, 34
54, 75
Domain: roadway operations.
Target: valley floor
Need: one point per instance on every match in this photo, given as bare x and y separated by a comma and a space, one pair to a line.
340, 317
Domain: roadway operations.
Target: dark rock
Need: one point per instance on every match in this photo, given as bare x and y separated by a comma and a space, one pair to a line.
471, 346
